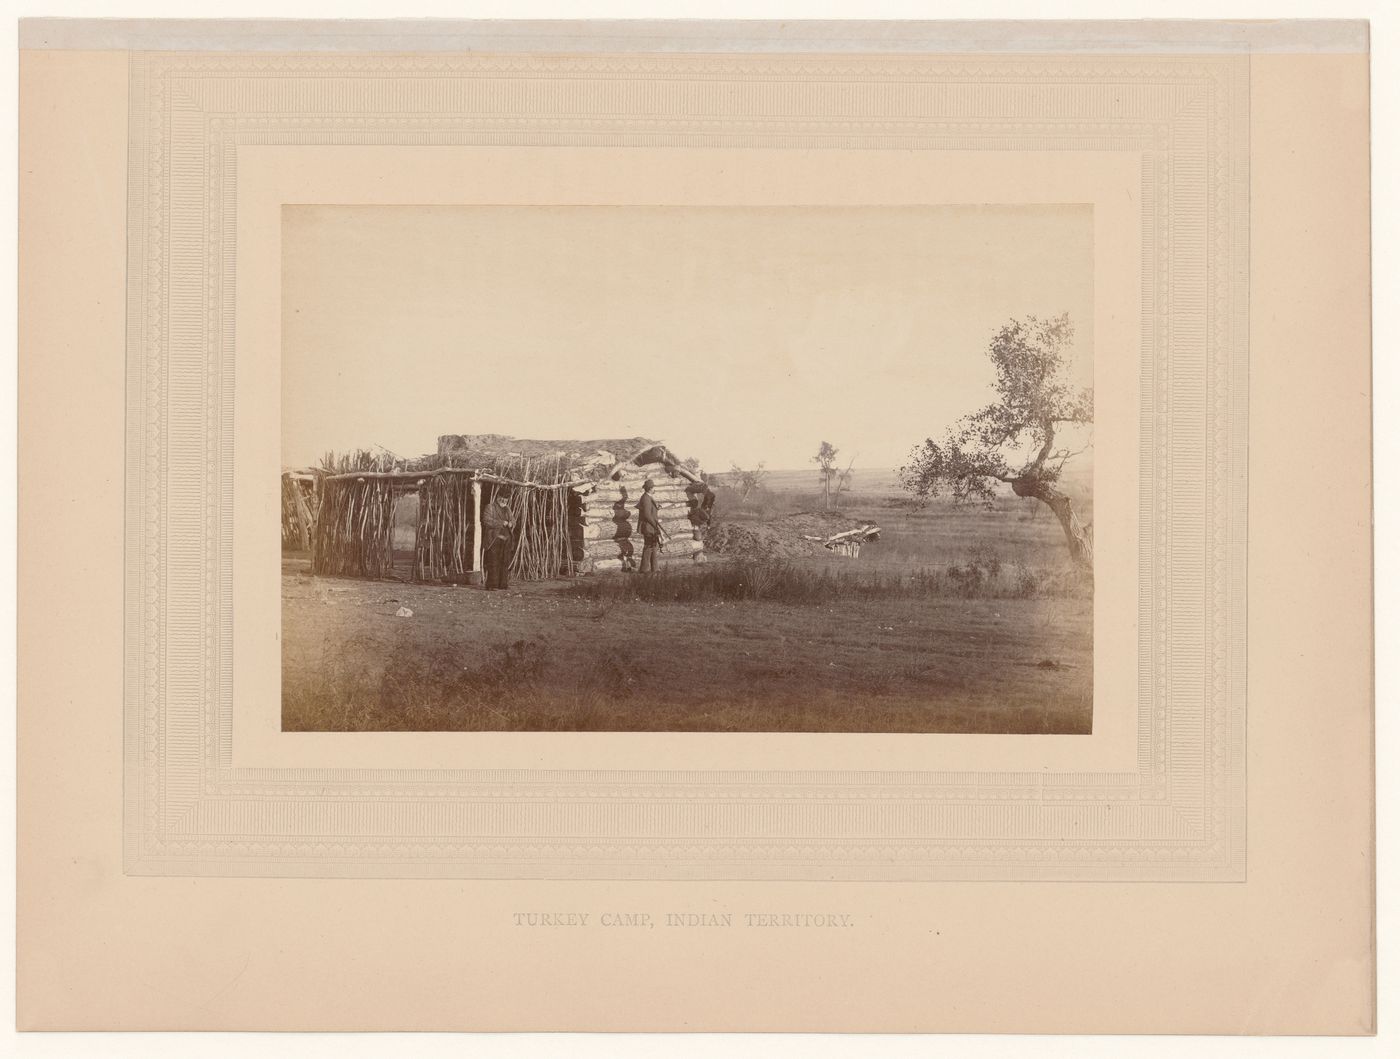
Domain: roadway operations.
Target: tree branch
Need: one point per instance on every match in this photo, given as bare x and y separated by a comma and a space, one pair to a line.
1048, 425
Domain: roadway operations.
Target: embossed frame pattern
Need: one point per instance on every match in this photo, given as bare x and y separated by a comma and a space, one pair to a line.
1179, 816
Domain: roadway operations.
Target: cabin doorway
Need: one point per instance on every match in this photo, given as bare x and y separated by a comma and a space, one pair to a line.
405, 534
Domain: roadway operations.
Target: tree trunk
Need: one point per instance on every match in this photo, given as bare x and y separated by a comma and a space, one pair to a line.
1078, 537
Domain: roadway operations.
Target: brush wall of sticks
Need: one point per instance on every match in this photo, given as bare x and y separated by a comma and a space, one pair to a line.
563, 524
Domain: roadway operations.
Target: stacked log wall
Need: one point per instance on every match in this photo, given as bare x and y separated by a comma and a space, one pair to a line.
606, 534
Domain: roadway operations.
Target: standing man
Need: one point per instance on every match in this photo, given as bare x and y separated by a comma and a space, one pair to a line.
496, 525
649, 522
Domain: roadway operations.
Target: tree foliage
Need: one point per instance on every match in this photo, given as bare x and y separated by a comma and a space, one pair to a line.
1016, 439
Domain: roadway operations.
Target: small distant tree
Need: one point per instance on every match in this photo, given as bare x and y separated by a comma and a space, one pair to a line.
747, 480
827, 471
1016, 439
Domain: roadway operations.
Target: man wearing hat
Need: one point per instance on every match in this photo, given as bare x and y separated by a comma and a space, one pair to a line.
496, 525
649, 523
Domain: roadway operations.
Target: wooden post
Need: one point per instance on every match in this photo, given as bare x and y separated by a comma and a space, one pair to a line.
475, 577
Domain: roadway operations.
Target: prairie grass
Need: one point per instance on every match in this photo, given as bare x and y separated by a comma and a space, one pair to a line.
980, 576
516, 689
726, 669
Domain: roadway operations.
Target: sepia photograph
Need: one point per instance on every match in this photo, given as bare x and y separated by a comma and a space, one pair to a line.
690, 526
726, 469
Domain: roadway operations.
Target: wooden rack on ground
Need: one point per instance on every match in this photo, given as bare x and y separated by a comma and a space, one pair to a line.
849, 542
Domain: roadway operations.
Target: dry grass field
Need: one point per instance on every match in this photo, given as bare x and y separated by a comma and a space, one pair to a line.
957, 620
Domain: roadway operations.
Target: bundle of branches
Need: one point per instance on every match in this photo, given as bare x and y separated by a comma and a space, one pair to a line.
445, 526
542, 548
360, 460
301, 497
354, 533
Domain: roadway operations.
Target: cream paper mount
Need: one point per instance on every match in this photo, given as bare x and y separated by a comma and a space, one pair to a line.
1177, 815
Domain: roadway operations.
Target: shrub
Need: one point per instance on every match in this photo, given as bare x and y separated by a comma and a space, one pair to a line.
985, 558
1027, 582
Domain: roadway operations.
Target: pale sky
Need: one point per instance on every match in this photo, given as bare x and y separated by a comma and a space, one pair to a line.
731, 333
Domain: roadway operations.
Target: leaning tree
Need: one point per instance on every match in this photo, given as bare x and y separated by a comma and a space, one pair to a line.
1018, 439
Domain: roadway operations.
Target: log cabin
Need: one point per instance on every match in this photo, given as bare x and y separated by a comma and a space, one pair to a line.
574, 502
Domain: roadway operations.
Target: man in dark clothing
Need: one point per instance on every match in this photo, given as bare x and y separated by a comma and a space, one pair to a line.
496, 524
649, 523
701, 500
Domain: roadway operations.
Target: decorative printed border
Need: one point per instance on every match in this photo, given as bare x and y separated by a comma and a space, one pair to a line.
1179, 816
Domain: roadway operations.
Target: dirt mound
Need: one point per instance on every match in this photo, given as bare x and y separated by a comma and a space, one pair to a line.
818, 524
785, 537
759, 540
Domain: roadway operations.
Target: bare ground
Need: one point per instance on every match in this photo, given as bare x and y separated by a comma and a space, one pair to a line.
539, 658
